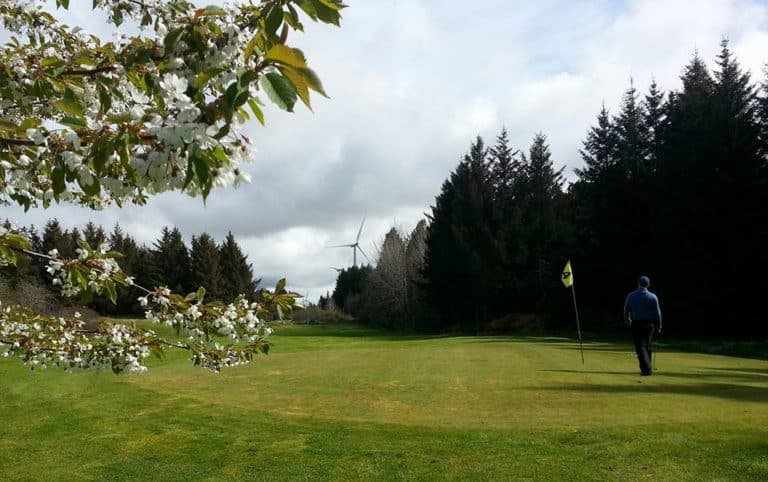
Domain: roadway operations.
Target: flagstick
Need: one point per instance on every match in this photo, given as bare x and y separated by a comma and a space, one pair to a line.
578, 325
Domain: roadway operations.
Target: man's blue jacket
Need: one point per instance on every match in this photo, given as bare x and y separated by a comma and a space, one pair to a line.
642, 305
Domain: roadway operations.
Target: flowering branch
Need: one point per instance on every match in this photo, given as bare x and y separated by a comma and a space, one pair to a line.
91, 122
217, 335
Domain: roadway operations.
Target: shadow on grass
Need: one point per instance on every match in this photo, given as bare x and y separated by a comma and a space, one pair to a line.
731, 374
557, 339
761, 372
727, 391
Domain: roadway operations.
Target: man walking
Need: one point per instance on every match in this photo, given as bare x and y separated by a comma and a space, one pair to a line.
641, 310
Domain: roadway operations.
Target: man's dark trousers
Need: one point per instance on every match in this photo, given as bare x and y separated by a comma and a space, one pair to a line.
642, 332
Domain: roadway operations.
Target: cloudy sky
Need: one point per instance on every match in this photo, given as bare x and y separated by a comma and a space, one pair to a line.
411, 83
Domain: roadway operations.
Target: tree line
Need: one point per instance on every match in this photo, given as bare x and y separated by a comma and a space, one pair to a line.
221, 268
673, 185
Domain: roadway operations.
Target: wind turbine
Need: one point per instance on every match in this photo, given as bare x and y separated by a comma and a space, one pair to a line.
355, 246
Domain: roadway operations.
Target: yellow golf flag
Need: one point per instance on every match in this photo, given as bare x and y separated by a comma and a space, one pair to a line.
567, 277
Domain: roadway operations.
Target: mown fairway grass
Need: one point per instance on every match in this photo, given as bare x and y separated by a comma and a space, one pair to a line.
346, 403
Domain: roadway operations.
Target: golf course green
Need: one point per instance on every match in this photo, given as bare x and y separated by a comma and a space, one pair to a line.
348, 403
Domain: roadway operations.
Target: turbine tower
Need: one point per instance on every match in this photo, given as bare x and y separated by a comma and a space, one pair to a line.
355, 246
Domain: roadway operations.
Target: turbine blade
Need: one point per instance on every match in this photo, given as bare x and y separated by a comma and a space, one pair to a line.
342, 246
366, 256
360, 231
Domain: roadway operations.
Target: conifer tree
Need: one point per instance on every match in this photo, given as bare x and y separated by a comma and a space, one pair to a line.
503, 165
599, 149
655, 118
762, 102
94, 235
462, 246
171, 261
632, 139
350, 285
542, 199
206, 269
54, 237
740, 181
236, 273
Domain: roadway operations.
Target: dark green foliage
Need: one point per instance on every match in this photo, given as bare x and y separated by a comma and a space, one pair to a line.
762, 111
542, 202
54, 237
463, 259
94, 235
349, 287
236, 273
170, 260
684, 203
206, 268
137, 261
654, 113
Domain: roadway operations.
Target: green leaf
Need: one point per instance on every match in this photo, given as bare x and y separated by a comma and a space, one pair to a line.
280, 286
211, 11
28, 124
171, 38
256, 110
57, 177
287, 55
247, 77
279, 90
8, 255
327, 12
111, 291
219, 154
51, 61
274, 19
313, 81
104, 99
202, 171
68, 107
299, 83
309, 8
250, 47
73, 122
92, 189
241, 98
291, 17
101, 150
83, 245
17, 242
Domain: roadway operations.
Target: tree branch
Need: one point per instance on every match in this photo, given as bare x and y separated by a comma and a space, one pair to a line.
16, 142
90, 72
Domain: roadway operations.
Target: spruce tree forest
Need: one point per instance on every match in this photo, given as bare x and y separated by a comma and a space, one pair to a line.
673, 185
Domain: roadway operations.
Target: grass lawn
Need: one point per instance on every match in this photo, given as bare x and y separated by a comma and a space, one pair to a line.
347, 403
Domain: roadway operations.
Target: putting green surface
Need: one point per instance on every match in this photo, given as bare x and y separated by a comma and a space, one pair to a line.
347, 403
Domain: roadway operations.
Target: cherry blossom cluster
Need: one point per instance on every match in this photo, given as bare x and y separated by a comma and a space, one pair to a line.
94, 270
44, 342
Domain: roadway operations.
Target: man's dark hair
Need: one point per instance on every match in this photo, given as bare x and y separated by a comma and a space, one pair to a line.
644, 282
